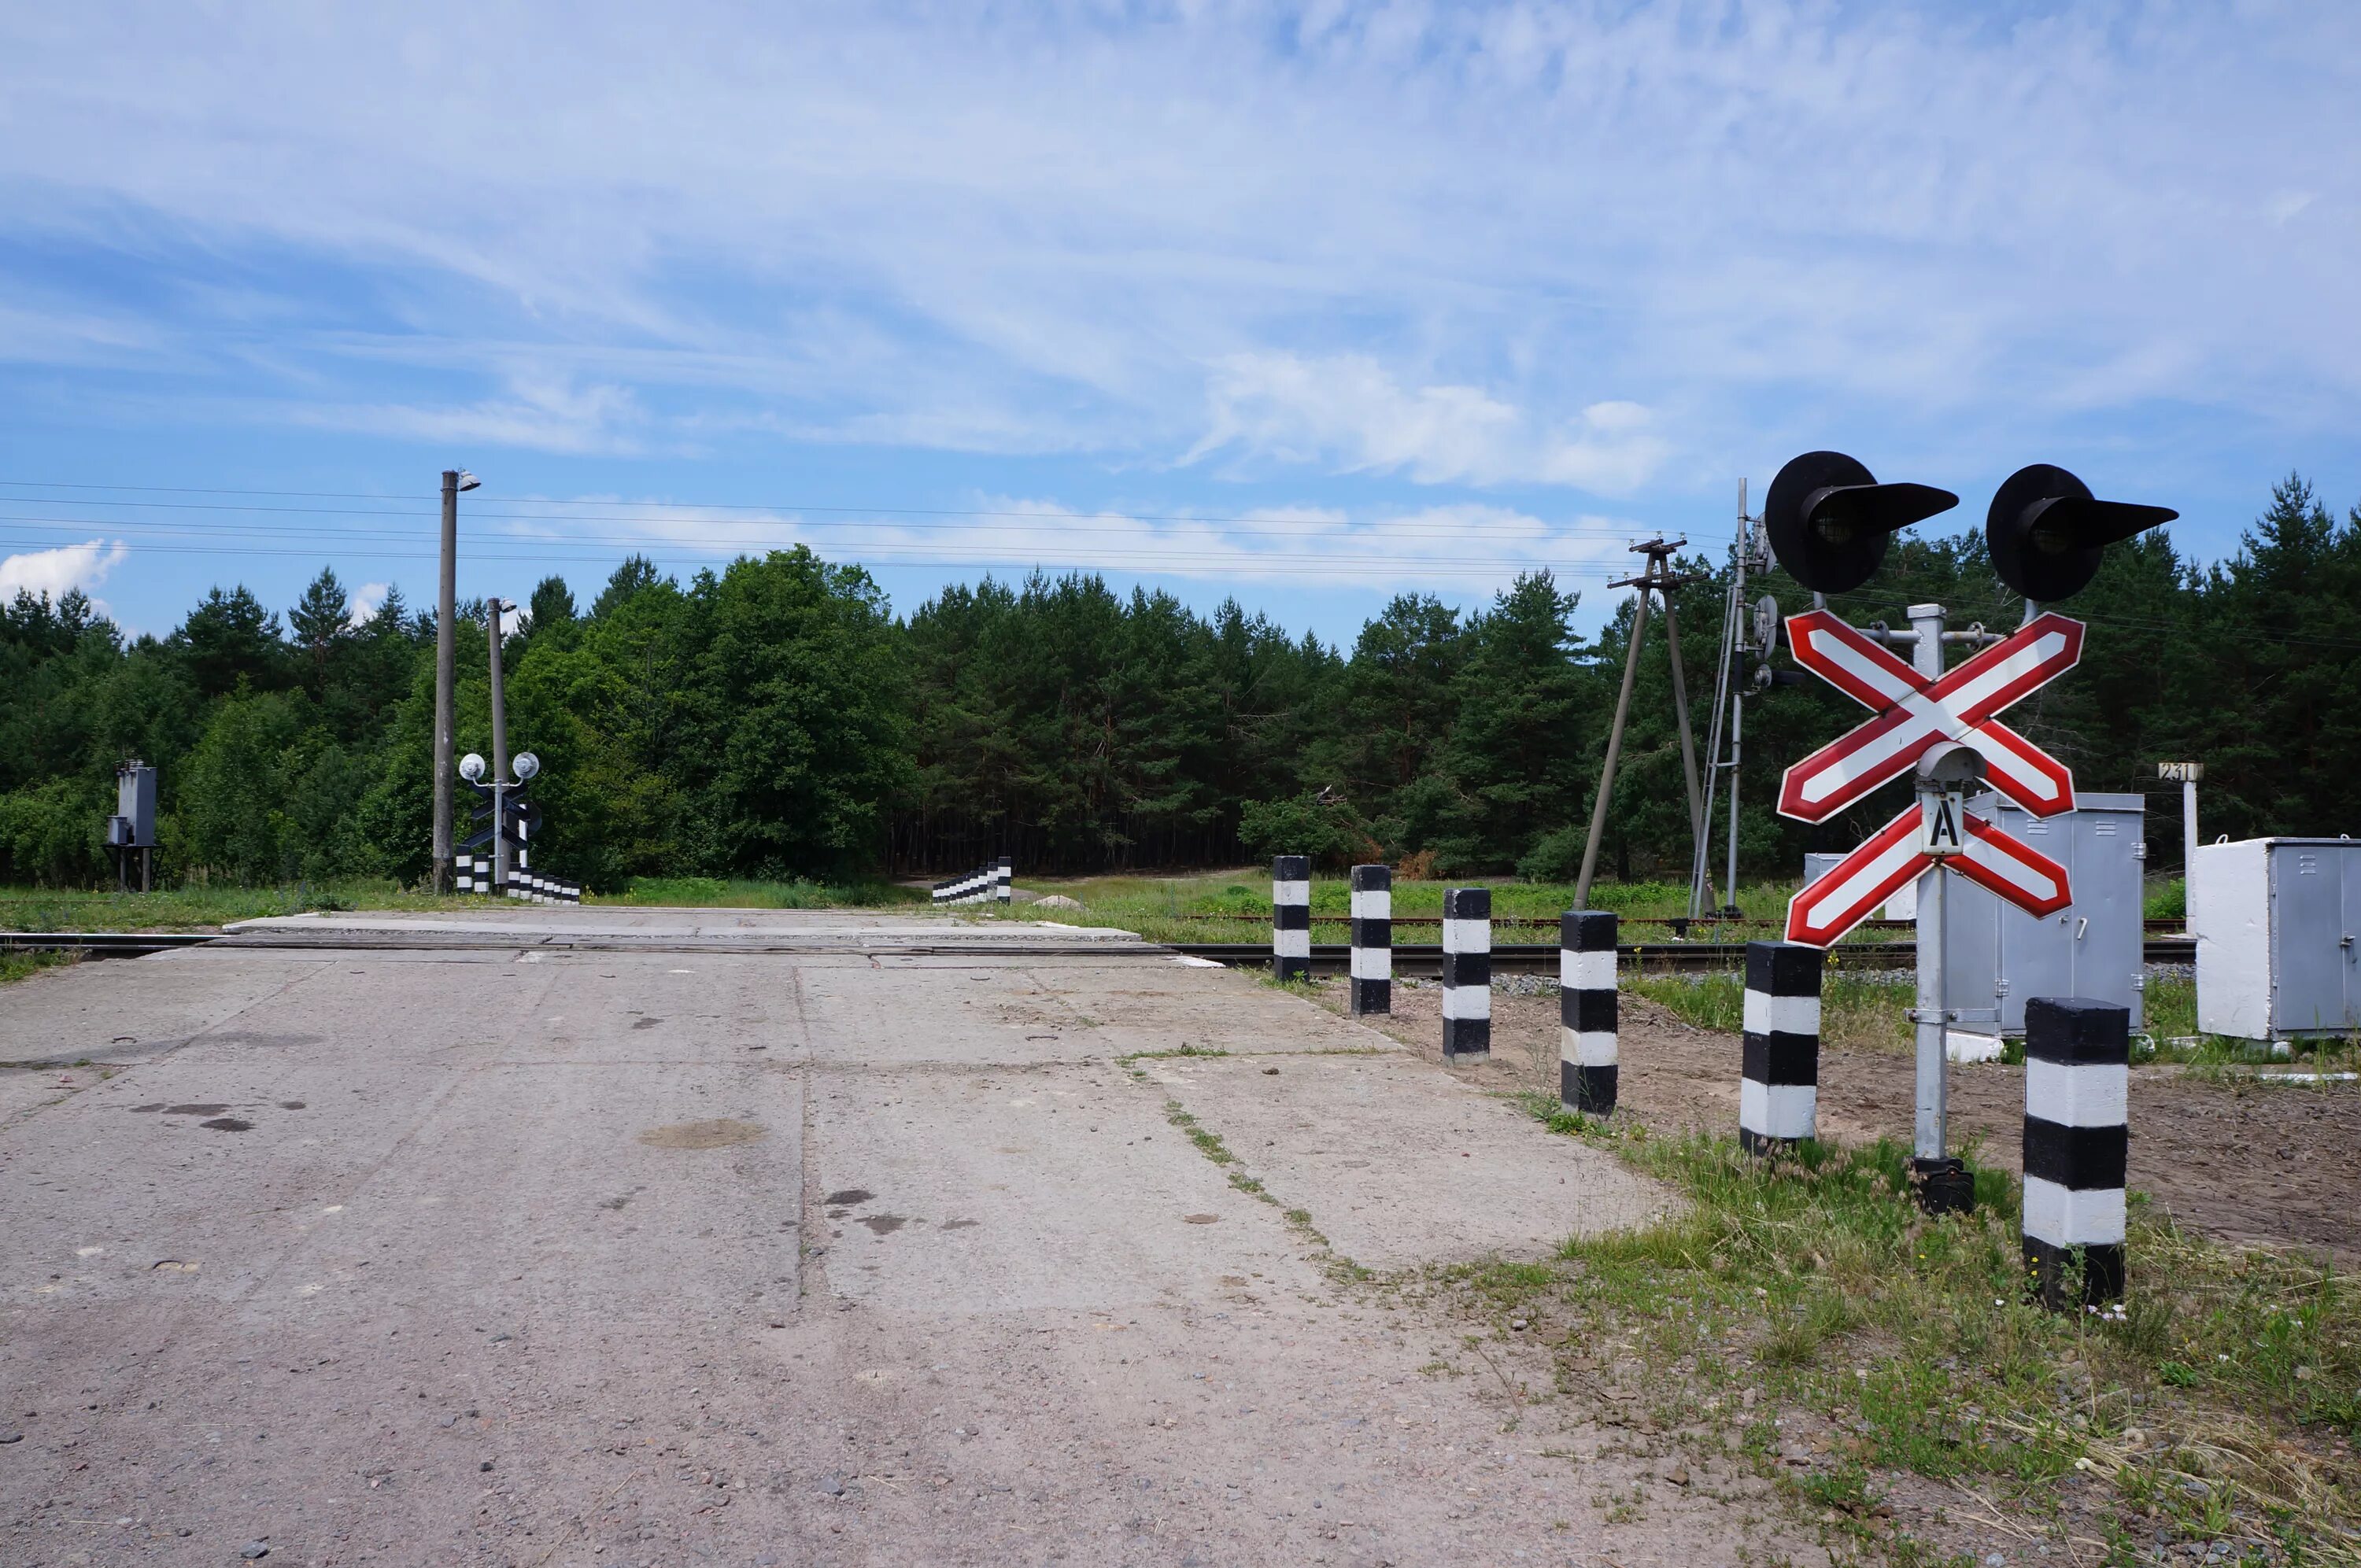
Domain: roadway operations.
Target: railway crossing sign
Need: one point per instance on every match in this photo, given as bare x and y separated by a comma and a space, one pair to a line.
1893, 858
1915, 712
1917, 715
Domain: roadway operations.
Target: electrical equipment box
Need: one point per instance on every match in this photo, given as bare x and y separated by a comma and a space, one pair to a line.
133, 823
2277, 922
1996, 956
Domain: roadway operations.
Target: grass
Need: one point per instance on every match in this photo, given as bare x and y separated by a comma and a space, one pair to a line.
196, 907
14, 966
740, 893
1860, 1009
2217, 1404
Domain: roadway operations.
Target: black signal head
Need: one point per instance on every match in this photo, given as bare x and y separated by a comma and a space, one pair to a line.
2046, 530
1830, 520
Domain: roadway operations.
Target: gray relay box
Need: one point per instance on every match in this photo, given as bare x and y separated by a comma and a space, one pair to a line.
2278, 924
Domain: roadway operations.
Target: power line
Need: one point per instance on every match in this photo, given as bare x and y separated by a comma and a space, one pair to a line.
1157, 564
556, 510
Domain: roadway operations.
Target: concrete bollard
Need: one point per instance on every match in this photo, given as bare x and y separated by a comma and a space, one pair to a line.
1003, 880
1466, 972
1291, 917
1373, 940
1586, 1011
1778, 1099
2078, 1070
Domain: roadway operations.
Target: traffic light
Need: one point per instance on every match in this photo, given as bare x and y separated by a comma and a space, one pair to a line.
2046, 530
1829, 519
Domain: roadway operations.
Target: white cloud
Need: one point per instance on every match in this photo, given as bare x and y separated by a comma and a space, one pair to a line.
1348, 413
366, 601
1452, 548
53, 572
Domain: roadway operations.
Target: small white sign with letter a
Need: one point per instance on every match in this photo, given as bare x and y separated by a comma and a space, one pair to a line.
1942, 823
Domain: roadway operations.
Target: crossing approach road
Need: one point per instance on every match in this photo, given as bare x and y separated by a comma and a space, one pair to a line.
630, 1236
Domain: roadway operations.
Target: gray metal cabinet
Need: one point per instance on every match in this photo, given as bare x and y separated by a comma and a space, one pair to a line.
2279, 936
1996, 956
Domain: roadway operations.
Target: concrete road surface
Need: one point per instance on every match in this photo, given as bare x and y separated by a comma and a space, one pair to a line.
600, 1238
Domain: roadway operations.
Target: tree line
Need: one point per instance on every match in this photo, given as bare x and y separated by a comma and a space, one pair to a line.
772, 718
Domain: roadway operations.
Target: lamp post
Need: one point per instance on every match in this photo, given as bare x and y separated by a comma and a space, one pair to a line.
445, 655
492, 611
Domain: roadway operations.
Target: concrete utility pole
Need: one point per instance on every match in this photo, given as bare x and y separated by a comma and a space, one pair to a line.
446, 654
492, 608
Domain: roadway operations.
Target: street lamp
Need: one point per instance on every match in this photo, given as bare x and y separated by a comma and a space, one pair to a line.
454, 480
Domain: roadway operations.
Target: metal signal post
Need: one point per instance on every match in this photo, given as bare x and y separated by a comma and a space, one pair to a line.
1658, 577
1830, 522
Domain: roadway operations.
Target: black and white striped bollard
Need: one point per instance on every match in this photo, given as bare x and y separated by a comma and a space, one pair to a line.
1779, 1099
1585, 1011
1373, 940
2078, 1073
1291, 917
1466, 972
1005, 879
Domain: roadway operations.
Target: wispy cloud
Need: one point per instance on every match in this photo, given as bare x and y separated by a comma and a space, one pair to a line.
1444, 242
543, 414
1349, 413
1460, 547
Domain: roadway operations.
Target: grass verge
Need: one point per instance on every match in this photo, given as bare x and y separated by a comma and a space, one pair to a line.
196, 907
14, 966
740, 892
1837, 1335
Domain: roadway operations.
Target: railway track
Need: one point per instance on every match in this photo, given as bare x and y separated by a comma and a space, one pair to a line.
1411, 960
1425, 960
102, 944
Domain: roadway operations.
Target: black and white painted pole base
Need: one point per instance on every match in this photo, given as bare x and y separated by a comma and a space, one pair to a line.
474, 874
977, 887
1779, 1098
1586, 1011
536, 889
1373, 940
1291, 917
2078, 1069
1466, 972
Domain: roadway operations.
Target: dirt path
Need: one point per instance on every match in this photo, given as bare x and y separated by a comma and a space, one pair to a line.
2245, 1164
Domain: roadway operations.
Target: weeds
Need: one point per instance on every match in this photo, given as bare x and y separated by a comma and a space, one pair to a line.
2218, 1404
14, 966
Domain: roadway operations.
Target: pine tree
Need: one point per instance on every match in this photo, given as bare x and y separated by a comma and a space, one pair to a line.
321, 621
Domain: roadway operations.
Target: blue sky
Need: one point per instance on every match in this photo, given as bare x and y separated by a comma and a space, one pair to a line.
1308, 306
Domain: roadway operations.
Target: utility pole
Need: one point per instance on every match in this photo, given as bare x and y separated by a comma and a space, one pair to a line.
492, 608
446, 670
1659, 577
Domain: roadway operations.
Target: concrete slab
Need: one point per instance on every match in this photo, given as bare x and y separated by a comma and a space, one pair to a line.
606, 927
1399, 1164
122, 1010
1006, 1191
1160, 1007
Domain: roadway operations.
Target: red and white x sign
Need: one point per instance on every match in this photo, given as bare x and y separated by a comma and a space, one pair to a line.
1843, 896
1915, 713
